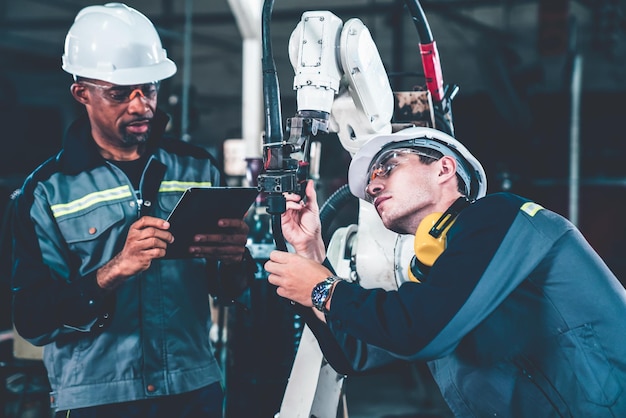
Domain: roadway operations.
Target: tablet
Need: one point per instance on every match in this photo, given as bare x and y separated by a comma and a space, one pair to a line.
199, 209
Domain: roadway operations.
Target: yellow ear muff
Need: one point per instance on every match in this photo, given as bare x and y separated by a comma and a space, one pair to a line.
430, 239
427, 247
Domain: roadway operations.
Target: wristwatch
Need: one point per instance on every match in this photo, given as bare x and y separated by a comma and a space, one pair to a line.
321, 292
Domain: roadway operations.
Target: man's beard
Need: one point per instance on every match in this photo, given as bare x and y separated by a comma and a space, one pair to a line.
130, 139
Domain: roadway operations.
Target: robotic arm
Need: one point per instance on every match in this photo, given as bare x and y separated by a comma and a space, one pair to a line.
341, 81
339, 76
342, 87
330, 59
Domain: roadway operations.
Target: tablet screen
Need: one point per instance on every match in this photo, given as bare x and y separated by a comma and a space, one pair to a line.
198, 211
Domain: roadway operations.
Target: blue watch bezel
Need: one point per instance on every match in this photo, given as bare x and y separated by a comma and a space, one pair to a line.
321, 291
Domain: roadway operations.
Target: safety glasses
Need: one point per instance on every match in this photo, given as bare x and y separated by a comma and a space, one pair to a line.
124, 94
384, 164
387, 161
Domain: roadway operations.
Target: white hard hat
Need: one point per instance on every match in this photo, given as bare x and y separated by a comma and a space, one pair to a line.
468, 167
115, 43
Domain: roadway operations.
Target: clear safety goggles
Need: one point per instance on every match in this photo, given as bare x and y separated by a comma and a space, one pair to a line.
388, 160
124, 94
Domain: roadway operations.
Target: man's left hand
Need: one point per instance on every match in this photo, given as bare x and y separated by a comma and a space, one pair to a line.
295, 276
227, 245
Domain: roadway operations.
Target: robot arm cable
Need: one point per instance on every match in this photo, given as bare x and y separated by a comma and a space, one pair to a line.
271, 90
428, 50
271, 181
442, 96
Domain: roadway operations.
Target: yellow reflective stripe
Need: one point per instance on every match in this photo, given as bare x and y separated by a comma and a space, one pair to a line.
91, 199
181, 186
531, 208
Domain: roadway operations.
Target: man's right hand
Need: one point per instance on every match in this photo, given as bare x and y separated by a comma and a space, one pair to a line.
301, 225
147, 239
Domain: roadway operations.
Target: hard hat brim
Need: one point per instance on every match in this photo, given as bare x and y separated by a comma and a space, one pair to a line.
127, 76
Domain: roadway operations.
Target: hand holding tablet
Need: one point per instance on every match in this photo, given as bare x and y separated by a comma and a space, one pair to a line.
198, 211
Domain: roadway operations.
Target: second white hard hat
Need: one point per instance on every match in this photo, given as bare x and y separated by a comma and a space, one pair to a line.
115, 43
468, 166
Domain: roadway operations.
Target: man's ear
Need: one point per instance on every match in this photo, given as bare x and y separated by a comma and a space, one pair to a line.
80, 93
447, 166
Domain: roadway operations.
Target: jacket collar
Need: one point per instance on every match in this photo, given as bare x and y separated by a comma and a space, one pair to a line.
80, 152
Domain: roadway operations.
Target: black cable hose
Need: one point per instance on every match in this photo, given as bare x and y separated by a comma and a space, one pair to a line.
331, 208
271, 89
419, 20
273, 118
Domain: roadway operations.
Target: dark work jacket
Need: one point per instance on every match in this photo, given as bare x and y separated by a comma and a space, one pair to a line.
518, 317
150, 336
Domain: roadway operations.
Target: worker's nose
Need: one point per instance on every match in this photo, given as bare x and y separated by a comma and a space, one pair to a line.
373, 189
138, 103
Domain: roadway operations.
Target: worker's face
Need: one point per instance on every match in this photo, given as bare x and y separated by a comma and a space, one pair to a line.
403, 190
120, 115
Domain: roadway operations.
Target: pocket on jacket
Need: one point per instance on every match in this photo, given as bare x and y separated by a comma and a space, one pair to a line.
590, 365
92, 224
95, 235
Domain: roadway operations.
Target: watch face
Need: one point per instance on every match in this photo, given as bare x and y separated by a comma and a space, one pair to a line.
320, 294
